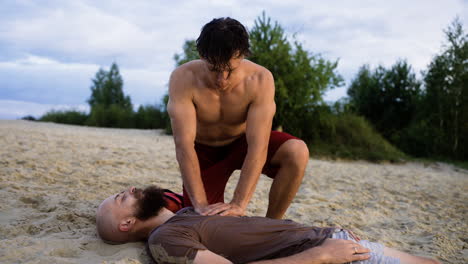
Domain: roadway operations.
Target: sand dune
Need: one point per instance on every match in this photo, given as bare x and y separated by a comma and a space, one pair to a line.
53, 177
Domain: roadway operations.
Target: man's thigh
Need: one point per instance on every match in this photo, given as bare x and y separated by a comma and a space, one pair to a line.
217, 164
277, 139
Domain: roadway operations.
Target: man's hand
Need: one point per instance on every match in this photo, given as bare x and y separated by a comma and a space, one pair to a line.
234, 210
335, 251
223, 209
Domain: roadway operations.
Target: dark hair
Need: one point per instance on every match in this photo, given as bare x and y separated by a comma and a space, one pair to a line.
220, 39
150, 202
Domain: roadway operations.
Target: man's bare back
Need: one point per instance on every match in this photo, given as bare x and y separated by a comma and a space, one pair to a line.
222, 105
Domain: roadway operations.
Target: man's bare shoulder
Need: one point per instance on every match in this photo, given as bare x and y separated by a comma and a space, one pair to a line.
185, 76
257, 75
191, 67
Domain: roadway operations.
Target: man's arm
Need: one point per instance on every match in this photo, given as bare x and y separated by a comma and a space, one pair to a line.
332, 251
184, 125
259, 121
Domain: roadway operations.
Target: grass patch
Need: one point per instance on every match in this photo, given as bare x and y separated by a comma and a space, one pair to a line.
348, 136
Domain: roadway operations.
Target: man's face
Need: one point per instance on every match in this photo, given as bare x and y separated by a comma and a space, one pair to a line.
124, 203
222, 77
136, 202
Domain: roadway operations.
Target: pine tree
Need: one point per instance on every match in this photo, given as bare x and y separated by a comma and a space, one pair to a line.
109, 106
107, 89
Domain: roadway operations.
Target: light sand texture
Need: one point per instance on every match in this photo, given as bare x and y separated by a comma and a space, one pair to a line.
53, 177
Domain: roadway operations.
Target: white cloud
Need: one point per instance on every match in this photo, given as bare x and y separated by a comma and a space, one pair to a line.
44, 80
51, 50
82, 33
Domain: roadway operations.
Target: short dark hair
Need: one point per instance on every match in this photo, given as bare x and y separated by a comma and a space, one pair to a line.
220, 39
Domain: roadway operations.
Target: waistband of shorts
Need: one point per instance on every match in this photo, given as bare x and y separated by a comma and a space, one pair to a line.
204, 146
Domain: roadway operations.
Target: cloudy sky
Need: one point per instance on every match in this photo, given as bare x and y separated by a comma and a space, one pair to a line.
50, 49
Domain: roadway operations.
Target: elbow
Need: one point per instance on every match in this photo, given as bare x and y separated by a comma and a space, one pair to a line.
182, 147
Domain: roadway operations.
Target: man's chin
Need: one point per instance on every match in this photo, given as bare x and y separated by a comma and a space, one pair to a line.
150, 201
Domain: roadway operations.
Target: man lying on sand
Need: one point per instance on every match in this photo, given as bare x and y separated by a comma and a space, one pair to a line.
188, 237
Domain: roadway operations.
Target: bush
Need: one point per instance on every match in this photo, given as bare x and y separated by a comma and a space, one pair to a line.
29, 117
71, 117
346, 135
112, 116
149, 117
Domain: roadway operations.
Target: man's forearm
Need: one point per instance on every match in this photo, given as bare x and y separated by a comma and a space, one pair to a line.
250, 172
190, 170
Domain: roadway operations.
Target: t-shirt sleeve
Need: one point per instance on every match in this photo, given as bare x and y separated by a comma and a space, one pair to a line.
172, 245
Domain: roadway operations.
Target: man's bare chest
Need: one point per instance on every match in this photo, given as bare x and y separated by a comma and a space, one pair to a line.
221, 108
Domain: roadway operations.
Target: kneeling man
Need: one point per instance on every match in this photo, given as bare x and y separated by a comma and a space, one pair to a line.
188, 237
221, 109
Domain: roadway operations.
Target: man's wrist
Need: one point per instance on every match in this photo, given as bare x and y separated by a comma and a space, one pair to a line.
241, 204
321, 254
315, 254
200, 204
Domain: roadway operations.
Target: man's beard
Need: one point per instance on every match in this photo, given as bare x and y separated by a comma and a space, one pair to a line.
149, 202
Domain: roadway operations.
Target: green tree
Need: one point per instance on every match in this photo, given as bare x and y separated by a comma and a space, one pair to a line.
189, 53
445, 106
149, 117
109, 106
301, 78
388, 98
107, 89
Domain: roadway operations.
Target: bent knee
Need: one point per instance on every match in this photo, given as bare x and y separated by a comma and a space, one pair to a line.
296, 151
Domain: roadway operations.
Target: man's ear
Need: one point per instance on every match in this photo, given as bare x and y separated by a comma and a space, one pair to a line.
127, 224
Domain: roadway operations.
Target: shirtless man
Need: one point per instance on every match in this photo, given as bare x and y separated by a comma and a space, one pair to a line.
221, 109
187, 237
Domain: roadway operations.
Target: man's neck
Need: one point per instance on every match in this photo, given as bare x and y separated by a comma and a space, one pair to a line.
155, 221
234, 78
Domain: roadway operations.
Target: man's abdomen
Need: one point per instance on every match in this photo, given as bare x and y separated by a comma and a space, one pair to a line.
218, 134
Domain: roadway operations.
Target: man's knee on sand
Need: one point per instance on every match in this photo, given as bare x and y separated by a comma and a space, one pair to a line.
293, 153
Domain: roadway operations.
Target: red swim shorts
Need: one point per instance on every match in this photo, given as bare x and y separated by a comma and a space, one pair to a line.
218, 163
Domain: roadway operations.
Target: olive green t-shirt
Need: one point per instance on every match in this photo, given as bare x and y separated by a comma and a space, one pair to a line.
239, 239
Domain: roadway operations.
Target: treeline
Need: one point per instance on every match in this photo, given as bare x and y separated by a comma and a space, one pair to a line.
424, 118
389, 113
109, 107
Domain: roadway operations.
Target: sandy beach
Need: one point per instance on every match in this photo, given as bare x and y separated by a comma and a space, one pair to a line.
53, 177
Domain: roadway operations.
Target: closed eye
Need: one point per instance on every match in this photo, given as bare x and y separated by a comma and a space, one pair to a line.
115, 198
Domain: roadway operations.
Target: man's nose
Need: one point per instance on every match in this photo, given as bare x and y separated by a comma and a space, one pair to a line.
131, 189
222, 76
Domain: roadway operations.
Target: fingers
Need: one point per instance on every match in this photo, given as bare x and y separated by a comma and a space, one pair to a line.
362, 249
232, 212
359, 249
360, 257
216, 208
221, 209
